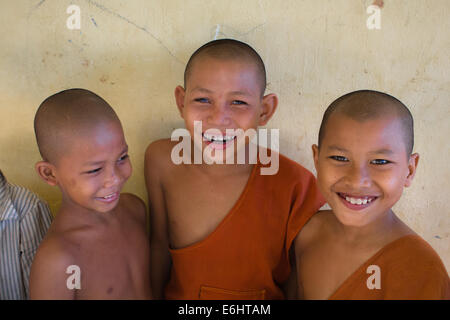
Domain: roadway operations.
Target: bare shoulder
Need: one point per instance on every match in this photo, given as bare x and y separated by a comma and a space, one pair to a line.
134, 207
158, 152
313, 229
50, 268
56, 248
157, 162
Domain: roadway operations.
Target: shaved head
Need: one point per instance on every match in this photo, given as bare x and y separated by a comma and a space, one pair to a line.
365, 105
66, 115
228, 49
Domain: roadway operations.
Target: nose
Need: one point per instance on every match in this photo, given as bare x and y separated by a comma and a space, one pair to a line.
359, 177
112, 178
219, 115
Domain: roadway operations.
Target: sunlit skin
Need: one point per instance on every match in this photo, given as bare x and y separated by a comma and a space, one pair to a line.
223, 95
367, 163
97, 229
94, 170
363, 160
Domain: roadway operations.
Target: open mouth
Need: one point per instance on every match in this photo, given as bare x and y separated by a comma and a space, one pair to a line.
109, 198
356, 202
218, 141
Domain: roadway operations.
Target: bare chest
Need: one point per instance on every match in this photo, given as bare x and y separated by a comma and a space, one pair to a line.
196, 206
324, 268
114, 266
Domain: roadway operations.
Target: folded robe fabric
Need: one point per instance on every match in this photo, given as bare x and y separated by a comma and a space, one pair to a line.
246, 256
408, 269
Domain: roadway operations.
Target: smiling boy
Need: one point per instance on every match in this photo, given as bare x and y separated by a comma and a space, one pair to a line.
361, 249
224, 231
97, 229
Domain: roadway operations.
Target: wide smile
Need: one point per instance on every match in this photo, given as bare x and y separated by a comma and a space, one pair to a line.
109, 198
218, 141
357, 202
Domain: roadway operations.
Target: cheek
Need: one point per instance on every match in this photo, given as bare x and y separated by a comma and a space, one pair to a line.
192, 113
72, 183
190, 119
83, 188
324, 183
246, 119
393, 186
327, 175
126, 170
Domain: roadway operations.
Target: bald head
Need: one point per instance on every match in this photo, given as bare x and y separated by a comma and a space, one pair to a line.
365, 105
228, 49
66, 115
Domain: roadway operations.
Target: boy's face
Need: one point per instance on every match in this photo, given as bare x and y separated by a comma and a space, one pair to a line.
223, 94
95, 169
362, 167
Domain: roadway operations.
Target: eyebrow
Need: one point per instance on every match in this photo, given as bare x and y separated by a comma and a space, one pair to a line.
379, 151
383, 151
241, 93
93, 163
201, 90
336, 148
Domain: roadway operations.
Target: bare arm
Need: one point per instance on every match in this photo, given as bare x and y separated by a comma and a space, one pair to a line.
307, 235
159, 236
138, 210
298, 250
48, 277
290, 286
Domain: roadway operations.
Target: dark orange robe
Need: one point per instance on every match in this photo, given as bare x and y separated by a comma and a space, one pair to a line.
409, 268
247, 255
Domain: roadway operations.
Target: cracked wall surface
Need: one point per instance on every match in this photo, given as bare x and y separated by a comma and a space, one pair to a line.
133, 54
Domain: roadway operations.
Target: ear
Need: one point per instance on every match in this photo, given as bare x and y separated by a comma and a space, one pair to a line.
315, 150
179, 98
412, 167
269, 105
47, 172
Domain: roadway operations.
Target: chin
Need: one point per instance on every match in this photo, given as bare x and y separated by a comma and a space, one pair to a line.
356, 219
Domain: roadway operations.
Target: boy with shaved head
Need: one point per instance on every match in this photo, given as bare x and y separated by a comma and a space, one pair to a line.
361, 249
224, 231
97, 247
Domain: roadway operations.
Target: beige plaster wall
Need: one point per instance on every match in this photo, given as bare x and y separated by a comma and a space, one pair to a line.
133, 54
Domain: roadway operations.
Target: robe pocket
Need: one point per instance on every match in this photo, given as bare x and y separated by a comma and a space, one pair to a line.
211, 293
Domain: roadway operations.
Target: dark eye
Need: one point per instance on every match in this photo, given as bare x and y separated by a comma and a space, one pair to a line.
202, 100
380, 161
238, 102
124, 157
93, 171
339, 158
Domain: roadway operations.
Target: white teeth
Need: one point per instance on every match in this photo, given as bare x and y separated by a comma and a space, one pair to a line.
211, 137
358, 201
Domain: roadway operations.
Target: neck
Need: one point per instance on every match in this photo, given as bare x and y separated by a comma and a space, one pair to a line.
230, 168
85, 216
370, 233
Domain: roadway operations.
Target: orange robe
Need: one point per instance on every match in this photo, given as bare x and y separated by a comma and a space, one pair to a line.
247, 255
409, 269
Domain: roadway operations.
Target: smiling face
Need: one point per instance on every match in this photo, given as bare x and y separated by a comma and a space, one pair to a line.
95, 168
223, 94
362, 167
